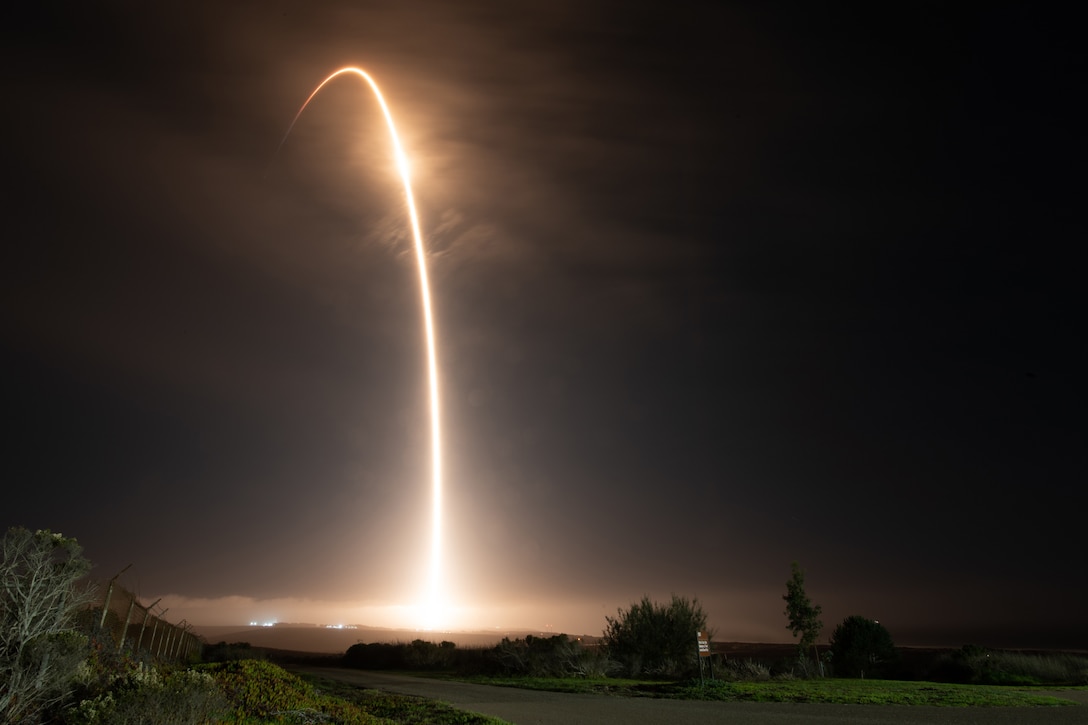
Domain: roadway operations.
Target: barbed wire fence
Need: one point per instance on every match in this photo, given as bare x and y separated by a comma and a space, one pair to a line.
121, 621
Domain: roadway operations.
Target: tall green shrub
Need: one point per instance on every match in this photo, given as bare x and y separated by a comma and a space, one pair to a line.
656, 639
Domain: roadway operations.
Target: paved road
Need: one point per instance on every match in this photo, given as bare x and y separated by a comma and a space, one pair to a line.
533, 707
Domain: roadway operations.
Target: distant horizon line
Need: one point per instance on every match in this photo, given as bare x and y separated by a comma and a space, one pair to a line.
914, 643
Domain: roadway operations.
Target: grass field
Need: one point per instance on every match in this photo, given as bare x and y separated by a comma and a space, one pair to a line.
826, 690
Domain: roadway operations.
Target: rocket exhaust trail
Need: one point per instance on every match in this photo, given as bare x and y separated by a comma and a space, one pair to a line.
435, 574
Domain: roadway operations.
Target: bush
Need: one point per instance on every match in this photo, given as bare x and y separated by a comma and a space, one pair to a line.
39, 649
656, 639
417, 655
555, 656
595, 662
862, 647
977, 665
261, 689
742, 671
179, 697
422, 655
223, 652
258, 690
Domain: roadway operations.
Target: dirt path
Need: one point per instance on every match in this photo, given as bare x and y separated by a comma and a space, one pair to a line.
533, 707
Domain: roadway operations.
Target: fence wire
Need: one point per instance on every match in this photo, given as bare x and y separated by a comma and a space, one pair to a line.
120, 620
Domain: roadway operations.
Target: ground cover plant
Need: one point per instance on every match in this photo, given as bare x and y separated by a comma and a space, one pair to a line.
399, 709
173, 696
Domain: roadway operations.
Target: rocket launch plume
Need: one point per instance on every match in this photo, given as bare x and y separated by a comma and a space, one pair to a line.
434, 582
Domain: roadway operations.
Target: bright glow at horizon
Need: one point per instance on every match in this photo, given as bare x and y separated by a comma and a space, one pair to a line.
434, 610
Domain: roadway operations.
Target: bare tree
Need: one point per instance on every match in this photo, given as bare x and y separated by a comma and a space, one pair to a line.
39, 650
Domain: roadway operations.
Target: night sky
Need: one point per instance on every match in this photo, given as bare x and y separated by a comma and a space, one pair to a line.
718, 287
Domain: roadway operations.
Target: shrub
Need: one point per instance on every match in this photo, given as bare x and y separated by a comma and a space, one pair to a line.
977, 665
862, 646
416, 655
39, 649
258, 690
594, 661
742, 670
555, 656
656, 639
179, 697
223, 652
422, 655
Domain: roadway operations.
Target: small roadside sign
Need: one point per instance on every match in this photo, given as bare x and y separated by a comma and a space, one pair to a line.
704, 643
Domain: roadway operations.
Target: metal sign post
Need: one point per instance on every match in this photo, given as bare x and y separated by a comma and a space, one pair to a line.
702, 641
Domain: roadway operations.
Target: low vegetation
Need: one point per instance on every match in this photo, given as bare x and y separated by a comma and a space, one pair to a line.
553, 664
822, 690
864, 692
978, 665
260, 692
555, 656
57, 668
399, 709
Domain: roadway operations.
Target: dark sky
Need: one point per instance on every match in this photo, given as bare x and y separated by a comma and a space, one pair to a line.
718, 287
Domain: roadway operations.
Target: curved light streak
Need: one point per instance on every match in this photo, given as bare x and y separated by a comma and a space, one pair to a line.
435, 577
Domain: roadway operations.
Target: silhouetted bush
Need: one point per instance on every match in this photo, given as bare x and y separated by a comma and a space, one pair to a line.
972, 664
416, 655
556, 656
862, 647
656, 639
223, 652
375, 656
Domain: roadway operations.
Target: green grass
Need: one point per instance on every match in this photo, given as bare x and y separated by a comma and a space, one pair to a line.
869, 692
826, 690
